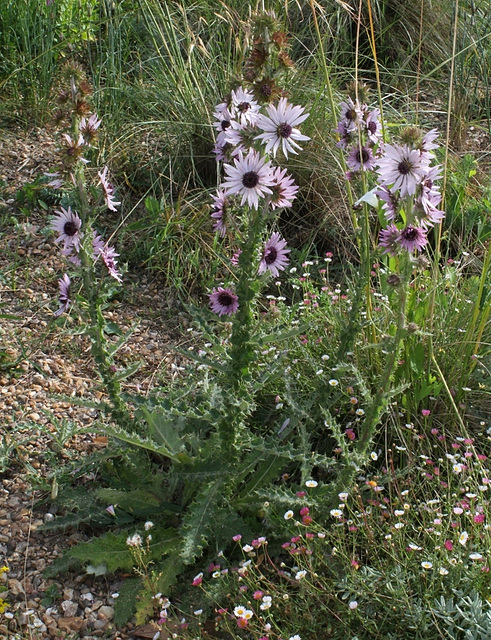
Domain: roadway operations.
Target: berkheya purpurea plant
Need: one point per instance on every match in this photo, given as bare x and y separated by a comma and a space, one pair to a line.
206, 460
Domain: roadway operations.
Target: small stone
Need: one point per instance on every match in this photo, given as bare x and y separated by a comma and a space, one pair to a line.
70, 623
100, 624
69, 608
106, 612
15, 587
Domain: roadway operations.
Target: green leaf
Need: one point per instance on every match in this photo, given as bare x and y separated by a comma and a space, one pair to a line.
200, 521
163, 429
110, 550
126, 373
267, 470
61, 565
144, 443
125, 605
152, 205
100, 570
112, 329
417, 358
138, 501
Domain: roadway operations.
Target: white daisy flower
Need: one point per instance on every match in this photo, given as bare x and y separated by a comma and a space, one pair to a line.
250, 177
280, 128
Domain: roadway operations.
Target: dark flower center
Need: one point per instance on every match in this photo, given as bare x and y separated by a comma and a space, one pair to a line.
225, 124
270, 256
362, 156
266, 90
372, 126
250, 179
410, 233
350, 114
225, 299
244, 106
70, 228
284, 130
404, 167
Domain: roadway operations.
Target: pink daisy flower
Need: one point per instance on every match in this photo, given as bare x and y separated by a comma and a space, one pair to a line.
360, 158
284, 189
250, 177
274, 255
108, 190
389, 240
391, 203
403, 168
223, 301
428, 143
280, 128
89, 127
412, 238
350, 115
374, 128
219, 212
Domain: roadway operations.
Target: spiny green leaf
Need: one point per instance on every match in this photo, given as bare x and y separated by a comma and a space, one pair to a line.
199, 521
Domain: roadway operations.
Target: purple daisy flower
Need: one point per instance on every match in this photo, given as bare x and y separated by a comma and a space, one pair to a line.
221, 151
403, 168
350, 115
391, 203
240, 137
389, 239
244, 107
74, 149
274, 256
250, 176
280, 128
412, 238
223, 118
108, 190
67, 224
360, 158
109, 255
374, 129
345, 134
219, 212
55, 181
223, 301
428, 144
64, 296
284, 189
235, 258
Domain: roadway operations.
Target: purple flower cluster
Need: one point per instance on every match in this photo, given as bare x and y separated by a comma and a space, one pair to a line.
68, 225
360, 132
405, 173
246, 138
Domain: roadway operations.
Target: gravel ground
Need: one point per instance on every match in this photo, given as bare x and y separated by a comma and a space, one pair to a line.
51, 363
